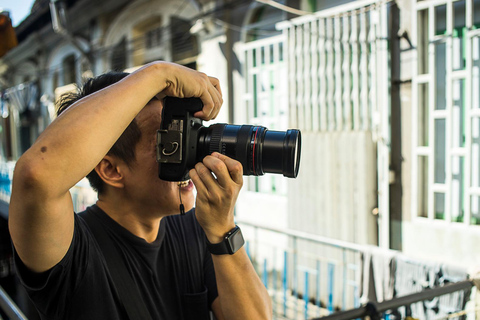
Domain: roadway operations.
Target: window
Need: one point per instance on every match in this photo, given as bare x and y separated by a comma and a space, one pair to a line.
184, 44
266, 99
119, 56
446, 113
69, 70
154, 38
147, 40
55, 80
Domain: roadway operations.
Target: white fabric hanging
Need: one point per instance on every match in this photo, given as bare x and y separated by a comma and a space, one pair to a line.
23, 96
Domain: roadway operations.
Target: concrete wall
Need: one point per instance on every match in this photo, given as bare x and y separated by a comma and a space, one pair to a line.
437, 241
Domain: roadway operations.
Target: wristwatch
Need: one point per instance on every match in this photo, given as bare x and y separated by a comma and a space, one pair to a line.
232, 241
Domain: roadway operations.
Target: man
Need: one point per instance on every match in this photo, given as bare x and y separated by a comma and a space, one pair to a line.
58, 259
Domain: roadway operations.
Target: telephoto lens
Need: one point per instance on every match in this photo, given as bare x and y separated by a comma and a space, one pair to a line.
258, 149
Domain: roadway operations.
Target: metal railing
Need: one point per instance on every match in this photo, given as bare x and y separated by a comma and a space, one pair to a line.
374, 310
9, 308
6, 174
305, 283
301, 280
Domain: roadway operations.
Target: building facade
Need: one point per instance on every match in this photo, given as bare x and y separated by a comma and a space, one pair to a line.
386, 94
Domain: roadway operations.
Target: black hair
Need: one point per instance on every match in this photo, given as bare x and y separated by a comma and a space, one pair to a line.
124, 147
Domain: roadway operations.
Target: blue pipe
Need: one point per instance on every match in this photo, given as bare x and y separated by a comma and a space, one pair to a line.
265, 274
331, 275
318, 284
305, 295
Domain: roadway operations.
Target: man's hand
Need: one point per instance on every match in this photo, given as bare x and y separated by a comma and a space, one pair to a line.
216, 197
183, 82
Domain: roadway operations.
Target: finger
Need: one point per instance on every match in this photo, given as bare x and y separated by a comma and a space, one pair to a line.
218, 167
216, 83
208, 106
210, 110
218, 92
206, 177
220, 104
217, 98
197, 181
234, 167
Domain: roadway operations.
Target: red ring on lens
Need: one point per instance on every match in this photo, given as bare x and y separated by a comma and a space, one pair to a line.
253, 151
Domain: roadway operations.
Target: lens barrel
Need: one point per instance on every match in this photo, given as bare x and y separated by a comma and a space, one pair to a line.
258, 149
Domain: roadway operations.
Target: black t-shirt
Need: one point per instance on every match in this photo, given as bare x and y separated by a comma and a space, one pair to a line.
174, 274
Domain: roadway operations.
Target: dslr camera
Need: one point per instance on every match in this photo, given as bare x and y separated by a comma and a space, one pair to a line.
183, 141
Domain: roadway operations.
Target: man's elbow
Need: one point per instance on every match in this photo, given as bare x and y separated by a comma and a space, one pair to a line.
29, 178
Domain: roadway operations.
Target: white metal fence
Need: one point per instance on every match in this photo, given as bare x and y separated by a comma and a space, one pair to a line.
338, 67
339, 81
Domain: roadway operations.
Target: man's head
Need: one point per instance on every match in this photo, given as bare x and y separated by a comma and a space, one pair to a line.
129, 170
124, 147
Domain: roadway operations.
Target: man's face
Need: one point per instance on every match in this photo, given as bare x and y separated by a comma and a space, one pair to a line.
142, 181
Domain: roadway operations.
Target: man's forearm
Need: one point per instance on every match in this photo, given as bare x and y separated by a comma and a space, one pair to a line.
242, 294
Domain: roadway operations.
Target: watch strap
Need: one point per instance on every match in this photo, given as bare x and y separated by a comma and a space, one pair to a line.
218, 248
232, 241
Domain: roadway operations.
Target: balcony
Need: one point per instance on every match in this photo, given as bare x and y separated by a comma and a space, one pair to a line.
309, 276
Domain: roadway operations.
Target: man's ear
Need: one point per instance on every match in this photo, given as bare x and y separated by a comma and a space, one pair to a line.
110, 170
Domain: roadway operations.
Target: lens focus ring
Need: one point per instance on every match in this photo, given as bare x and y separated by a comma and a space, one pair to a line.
216, 139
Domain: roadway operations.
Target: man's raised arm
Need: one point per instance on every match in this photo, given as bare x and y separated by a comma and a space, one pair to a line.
41, 217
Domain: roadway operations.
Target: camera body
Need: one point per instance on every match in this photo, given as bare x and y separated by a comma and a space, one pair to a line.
177, 138
182, 141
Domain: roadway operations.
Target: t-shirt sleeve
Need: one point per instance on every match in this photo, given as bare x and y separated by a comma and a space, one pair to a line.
52, 291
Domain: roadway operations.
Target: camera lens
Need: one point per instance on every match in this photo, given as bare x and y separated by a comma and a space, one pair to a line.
258, 149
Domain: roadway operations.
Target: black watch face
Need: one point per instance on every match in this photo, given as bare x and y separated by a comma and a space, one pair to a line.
236, 240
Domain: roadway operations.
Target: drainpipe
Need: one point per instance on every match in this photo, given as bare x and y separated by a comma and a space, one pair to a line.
59, 23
